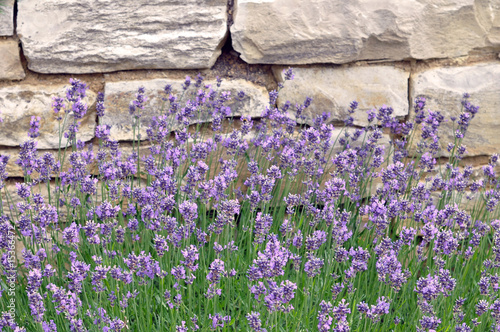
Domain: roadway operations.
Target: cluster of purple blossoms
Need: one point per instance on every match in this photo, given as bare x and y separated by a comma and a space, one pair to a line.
428, 323
138, 103
390, 270
375, 312
263, 223
144, 266
271, 262
254, 322
217, 271
359, 262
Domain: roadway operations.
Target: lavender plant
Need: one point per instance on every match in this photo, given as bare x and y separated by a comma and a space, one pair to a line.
243, 226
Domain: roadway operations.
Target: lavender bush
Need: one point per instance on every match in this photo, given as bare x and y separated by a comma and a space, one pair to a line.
243, 226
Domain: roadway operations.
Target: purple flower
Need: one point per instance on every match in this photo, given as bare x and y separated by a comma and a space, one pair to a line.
463, 328
79, 272
482, 307
254, 321
79, 109
23, 190
389, 270
189, 211
288, 73
102, 131
263, 223
190, 257
216, 271
218, 320
314, 241
429, 288
273, 96
138, 103
143, 266
341, 311
34, 127
187, 83
76, 91
376, 311
271, 262
178, 272
57, 106
286, 227
182, 327
3, 166
430, 322
28, 156
313, 265
36, 305
407, 235
70, 235
98, 275
324, 319
70, 133
160, 243
34, 280
107, 211
49, 327
100, 104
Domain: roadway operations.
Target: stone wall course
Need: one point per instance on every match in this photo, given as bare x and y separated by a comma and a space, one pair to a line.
292, 32
68, 36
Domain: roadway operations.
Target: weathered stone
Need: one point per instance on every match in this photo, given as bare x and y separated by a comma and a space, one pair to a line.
10, 66
336, 31
118, 96
333, 89
18, 103
7, 18
443, 89
61, 36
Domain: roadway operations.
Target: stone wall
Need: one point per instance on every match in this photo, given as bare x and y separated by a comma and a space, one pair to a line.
375, 52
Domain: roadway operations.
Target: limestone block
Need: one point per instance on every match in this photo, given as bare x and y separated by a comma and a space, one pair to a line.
118, 96
336, 31
10, 66
333, 89
20, 102
443, 89
69, 36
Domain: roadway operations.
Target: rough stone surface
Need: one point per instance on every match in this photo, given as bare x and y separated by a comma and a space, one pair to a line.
69, 36
118, 96
333, 89
7, 18
10, 66
18, 103
443, 89
336, 31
